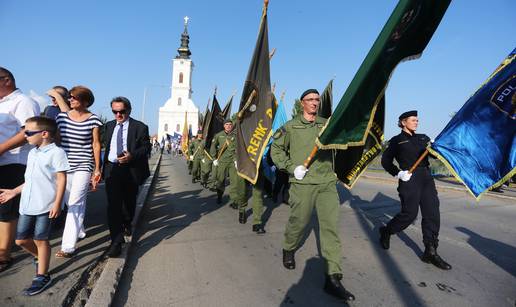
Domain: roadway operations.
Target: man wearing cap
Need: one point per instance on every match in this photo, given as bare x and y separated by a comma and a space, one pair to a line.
223, 147
196, 150
310, 188
416, 190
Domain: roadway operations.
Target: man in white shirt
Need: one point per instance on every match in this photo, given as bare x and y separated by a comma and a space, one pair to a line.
15, 108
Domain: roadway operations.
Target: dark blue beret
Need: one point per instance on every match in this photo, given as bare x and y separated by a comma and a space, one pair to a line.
310, 91
408, 114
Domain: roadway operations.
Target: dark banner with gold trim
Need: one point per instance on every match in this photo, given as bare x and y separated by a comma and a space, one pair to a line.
256, 111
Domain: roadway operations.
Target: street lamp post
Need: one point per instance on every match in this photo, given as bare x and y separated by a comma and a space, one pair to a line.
145, 90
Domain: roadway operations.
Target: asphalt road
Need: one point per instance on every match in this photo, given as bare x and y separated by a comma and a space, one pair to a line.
193, 252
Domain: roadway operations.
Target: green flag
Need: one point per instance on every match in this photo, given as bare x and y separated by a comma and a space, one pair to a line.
227, 109
326, 103
256, 111
213, 125
357, 124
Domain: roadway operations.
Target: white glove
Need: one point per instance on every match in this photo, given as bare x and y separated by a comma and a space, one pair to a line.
273, 168
191, 157
215, 162
300, 172
404, 175
236, 164
203, 161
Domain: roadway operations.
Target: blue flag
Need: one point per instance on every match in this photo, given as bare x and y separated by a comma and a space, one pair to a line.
478, 145
280, 118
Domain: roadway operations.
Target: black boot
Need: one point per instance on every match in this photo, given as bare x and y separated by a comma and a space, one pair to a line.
242, 217
193, 180
258, 228
333, 287
233, 205
431, 256
288, 260
385, 237
219, 197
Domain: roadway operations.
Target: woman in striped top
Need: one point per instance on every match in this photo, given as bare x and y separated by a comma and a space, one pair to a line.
80, 138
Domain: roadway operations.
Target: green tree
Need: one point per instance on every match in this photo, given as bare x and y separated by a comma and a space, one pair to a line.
297, 109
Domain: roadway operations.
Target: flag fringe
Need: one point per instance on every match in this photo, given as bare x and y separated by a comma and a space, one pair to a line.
456, 175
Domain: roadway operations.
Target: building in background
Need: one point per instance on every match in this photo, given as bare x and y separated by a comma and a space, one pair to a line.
172, 114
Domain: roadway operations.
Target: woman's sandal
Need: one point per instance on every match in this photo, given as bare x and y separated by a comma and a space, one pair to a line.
61, 254
5, 264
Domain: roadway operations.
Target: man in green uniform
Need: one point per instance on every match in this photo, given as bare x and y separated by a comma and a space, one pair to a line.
206, 164
187, 155
196, 150
309, 188
223, 147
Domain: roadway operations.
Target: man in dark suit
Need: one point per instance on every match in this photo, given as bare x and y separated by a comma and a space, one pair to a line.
125, 168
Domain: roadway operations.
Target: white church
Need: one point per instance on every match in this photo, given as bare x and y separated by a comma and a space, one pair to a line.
172, 114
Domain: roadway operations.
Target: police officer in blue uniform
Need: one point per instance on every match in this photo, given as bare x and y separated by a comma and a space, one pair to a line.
416, 190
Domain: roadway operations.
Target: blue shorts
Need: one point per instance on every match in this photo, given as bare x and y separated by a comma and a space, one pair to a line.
36, 227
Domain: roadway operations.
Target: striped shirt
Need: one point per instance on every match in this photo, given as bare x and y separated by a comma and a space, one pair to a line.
77, 140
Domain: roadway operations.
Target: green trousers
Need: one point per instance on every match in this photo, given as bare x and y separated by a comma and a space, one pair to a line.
236, 183
205, 170
257, 199
303, 199
196, 169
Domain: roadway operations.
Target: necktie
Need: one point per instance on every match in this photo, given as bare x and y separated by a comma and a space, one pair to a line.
119, 141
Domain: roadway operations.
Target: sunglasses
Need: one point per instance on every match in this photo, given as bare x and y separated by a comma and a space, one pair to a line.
33, 132
73, 97
119, 111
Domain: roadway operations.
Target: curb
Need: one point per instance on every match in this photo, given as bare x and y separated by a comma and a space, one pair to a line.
441, 187
105, 287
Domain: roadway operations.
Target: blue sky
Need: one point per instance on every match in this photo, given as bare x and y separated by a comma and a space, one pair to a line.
120, 47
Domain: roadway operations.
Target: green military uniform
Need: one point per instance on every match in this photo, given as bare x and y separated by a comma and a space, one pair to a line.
257, 199
206, 165
291, 146
187, 154
196, 151
223, 148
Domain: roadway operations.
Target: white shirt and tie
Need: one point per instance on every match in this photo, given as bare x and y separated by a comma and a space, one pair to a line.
113, 147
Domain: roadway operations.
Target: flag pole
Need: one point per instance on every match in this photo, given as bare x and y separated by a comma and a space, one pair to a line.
247, 104
271, 54
311, 156
411, 170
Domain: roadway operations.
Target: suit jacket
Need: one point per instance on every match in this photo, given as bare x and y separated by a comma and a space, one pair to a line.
138, 146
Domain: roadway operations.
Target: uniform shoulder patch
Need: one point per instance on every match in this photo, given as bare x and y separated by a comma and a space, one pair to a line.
279, 132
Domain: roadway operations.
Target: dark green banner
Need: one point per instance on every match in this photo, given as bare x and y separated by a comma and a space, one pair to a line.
356, 127
256, 111
325, 106
213, 124
404, 36
227, 109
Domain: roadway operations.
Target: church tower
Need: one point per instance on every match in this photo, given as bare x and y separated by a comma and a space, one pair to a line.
172, 114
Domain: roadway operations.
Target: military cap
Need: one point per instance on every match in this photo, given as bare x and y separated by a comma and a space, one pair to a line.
309, 91
408, 114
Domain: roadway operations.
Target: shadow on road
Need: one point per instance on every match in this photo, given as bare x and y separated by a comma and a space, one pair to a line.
308, 291
370, 224
164, 216
493, 250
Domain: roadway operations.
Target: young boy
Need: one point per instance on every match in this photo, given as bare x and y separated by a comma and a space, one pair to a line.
41, 196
